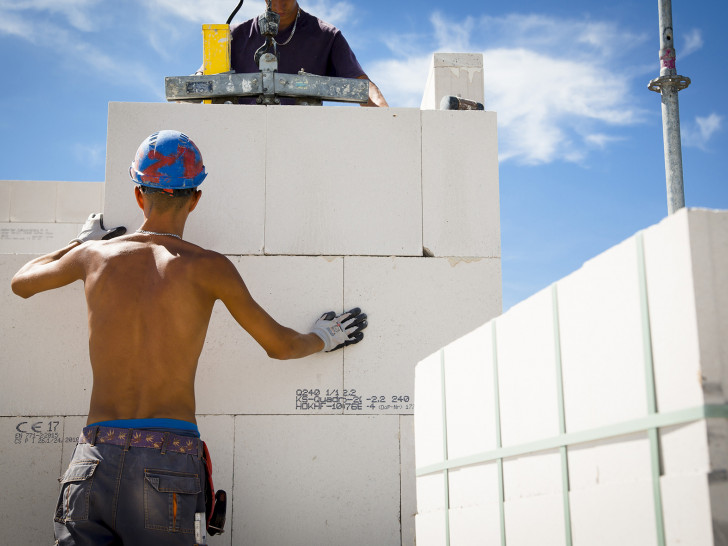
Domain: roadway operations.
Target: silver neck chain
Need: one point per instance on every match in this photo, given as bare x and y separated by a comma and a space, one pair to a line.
298, 14
158, 233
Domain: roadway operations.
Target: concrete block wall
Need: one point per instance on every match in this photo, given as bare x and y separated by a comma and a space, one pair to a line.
41, 216
319, 209
593, 413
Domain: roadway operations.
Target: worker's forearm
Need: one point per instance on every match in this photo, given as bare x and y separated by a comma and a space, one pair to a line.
375, 96
32, 278
306, 344
297, 345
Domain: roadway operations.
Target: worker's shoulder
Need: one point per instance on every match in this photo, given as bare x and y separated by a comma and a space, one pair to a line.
317, 24
208, 259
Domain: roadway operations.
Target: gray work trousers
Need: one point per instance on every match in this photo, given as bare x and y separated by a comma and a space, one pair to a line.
138, 496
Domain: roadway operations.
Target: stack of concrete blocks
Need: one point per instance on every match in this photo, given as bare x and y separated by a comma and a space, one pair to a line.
456, 74
319, 208
593, 413
39, 217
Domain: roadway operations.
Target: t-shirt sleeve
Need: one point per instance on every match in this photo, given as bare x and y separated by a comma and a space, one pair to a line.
343, 60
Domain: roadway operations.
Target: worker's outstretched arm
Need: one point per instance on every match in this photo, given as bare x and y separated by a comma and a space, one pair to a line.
277, 340
47, 272
375, 95
63, 266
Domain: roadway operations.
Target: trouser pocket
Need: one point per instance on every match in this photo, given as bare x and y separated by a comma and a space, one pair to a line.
170, 500
73, 500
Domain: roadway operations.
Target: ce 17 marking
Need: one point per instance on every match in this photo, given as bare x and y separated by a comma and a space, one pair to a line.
37, 427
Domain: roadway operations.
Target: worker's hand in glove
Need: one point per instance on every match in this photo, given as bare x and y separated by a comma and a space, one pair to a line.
93, 229
342, 330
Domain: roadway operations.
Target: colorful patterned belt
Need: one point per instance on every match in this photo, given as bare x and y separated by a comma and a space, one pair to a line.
128, 437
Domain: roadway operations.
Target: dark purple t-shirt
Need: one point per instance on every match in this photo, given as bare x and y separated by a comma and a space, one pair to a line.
317, 47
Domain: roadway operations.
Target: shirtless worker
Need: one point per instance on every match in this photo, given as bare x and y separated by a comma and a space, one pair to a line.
136, 476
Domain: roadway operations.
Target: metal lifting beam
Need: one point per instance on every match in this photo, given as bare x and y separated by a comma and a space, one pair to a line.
303, 87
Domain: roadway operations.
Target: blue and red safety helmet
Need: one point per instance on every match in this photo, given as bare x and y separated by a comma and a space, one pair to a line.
168, 160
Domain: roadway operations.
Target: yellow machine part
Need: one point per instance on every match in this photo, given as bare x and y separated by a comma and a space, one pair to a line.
215, 50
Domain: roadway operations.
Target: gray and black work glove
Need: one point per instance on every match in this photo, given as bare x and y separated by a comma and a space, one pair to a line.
93, 230
339, 331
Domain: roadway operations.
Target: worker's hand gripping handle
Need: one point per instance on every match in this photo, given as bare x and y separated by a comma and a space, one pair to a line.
93, 230
342, 330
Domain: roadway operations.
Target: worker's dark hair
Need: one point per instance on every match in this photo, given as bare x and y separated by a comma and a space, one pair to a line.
184, 192
165, 199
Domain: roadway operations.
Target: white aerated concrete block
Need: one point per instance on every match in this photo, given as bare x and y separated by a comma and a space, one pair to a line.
474, 485
429, 425
5, 200
535, 520
343, 181
431, 529
325, 480
602, 346
408, 487
431, 491
475, 525
687, 510
235, 375
230, 215
44, 343
471, 417
718, 503
460, 205
684, 449
76, 200
622, 459
35, 238
527, 371
670, 287
614, 514
30, 464
33, 201
532, 475
709, 244
415, 306
457, 74
718, 448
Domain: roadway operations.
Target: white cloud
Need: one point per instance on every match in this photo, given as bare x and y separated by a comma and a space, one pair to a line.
544, 76
203, 11
402, 81
77, 12
71, 42
697, 134
601, 140
89, 155
544, 103
16, 26
693, 42
335, 13
218, 11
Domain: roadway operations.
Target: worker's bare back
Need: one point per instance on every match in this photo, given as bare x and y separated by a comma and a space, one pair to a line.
149, 304
150, 297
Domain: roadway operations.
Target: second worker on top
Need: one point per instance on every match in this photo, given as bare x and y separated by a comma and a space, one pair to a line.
304, 42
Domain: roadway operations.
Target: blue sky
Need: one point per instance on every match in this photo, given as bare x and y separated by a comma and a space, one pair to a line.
580, 136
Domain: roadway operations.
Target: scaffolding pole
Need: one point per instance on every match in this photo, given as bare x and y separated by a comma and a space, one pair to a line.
668, 85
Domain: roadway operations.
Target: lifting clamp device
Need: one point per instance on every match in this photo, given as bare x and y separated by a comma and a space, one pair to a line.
268, 85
